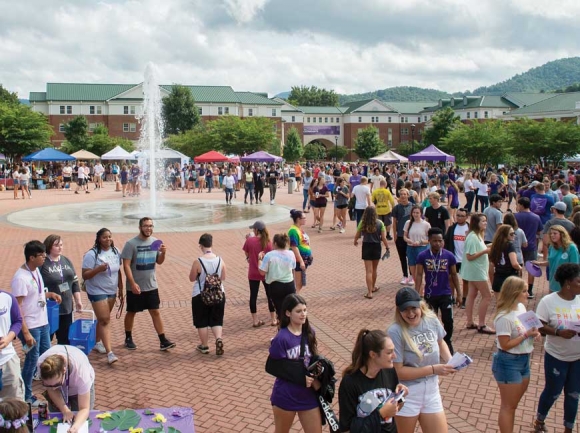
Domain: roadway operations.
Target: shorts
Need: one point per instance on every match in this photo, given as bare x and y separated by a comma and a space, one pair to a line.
371, 251
15, 182
387, 219
207, 316
424, 397
341, 206
458, 267
413, 253
498, 281
530, 255
66, 179
81, 182
298, 178
454, 206
124, 182
97, 298
313, 203
145, 301
24, 183
510, 368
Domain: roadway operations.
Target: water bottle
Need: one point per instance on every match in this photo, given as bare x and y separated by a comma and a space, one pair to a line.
26, 348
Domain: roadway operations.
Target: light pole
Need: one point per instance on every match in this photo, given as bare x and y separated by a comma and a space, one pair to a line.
336, 148
412, 138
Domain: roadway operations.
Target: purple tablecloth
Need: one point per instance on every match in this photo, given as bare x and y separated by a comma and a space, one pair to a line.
183, 423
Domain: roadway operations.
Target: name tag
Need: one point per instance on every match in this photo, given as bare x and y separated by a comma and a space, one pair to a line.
64, 287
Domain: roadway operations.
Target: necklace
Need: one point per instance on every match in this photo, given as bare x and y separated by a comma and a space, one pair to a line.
436, 260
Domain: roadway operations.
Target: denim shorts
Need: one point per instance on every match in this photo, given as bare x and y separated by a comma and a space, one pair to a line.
413, 253
510, 368
97, 298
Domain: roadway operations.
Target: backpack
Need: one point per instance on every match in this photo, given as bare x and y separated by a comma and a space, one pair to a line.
211, 292
538, 205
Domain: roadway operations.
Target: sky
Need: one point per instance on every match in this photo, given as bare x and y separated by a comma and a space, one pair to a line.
272, 45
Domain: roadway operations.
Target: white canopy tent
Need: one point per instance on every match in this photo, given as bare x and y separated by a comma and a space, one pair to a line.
117, 154
389, 156
573, 159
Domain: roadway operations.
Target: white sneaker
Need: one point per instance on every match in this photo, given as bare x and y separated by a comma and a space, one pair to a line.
341, 230
111, 358
36, 376
100, 348
271, 201
405, 280
411, 281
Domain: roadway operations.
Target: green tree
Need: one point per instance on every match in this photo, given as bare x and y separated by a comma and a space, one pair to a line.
293, 149
238, 136
337, 153
314, 151
312, 97
443, 122
76, 134
100, 142
179, 110
192, 143
407, 148
22, 131
8, 96
368, 143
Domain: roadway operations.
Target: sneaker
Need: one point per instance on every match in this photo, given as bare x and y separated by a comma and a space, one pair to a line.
129, 344
462, 306
341, 230
219, 347
410, 280
202, 349
271, 201
405, 280
100, 348
111, 358
37, 377
389, 237
166, 345
530, 296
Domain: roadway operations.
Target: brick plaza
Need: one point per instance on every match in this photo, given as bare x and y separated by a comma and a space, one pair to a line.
231, 393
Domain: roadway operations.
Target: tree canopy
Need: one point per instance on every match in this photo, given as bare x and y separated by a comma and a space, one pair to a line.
8, 96
179, 111
368, 143
443, 122
314, 151
22, 131
293, 149
99, 142
76, 132
312, 97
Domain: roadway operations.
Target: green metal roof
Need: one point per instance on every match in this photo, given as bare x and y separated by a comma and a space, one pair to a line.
521, 99
354, 105
37, 96
473, 102
215, 94
322, 110
255, 98
557, 102
84, 92
410, 107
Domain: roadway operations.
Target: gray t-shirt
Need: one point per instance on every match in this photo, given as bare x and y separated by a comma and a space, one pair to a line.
426, 336
567, 224
494, 219
143, 261
106, 282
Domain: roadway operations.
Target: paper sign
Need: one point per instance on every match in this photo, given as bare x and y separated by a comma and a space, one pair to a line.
459, 361
575, 326
530, 320
64, 428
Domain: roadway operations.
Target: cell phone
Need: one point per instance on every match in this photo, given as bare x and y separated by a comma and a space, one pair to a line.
386, 255
399, 396
315, 369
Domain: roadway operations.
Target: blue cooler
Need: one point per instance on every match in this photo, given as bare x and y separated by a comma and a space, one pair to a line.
53, 310
83, 332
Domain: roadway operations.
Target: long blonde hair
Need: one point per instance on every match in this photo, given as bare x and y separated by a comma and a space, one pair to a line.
426, 312
508, 296
564, 237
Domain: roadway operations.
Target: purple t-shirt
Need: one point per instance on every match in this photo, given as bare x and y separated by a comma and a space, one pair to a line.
286, 395
354, 180
531, 224
437, 269
452, 194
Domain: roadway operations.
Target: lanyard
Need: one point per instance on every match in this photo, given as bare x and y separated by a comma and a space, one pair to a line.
436, 267
37, 281
67, 379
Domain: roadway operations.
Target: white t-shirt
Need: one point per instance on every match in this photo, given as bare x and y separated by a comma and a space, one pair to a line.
418, 231
482, 188
106, 282
213, 266
229, 181
467, 185
67, 171
361, 192
376, 180
82, 374
31, 286
81, 173
509, 324
459, 235
558, 313
99, 169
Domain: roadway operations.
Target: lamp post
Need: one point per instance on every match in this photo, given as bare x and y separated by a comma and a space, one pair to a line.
412, 138
336, 148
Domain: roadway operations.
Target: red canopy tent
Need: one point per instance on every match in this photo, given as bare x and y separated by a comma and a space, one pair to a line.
211, 156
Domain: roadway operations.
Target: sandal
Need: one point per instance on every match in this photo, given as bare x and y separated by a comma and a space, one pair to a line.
472, 326
366, 295
332, 228
485, 330
257, 325
539, 426
219, 347
274, 323
376, 289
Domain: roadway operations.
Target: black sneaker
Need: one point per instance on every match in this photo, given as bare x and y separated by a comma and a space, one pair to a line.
166, 345
129, 344
389, 237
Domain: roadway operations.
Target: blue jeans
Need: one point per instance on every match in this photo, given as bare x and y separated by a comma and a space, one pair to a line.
560, 375
305, 201
42, 337
229, 194
359, 214
249, 189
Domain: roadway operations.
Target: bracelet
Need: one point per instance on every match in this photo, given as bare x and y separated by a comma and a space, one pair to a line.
556, 332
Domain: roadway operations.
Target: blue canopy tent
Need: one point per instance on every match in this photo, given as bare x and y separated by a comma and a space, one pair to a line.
48, 154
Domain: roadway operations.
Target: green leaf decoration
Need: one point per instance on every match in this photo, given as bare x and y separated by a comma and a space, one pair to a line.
172, 430
122, 420
154, 430
147, 412
53, 428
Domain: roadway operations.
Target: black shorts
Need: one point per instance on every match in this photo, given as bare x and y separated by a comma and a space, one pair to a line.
341, 206
207, 316
81, 182
145, 301
386, 219
498, 281
371, 251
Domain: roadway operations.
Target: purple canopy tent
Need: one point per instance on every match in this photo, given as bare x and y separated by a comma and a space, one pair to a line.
261, 156
431, 153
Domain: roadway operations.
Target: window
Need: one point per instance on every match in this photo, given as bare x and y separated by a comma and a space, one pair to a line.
62, 109
468, 115
68, 109
95, 109
273, 112
359, 119
199, 110
404, 131
220, 111
308, 120
226, 110
390, 137
92, 127
486, 114
406, 120
132, 127
326, 120
61, 127
332, 120
250, 112
337, 120
129, 109
425, 118
293, 119
125, 127
475, 114
419, 119
389, 119
314, 120
320, 120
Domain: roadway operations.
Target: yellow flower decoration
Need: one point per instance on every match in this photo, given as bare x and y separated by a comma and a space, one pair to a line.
159, 418
51, 421
104, 415
135, 430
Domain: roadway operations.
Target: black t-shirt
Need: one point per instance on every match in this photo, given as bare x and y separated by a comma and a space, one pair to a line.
60, 278
401, 213
352, 404
437, 217
504, 266
273, 177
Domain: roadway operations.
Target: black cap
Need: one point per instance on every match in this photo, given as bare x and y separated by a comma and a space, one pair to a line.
407, 297
258, 225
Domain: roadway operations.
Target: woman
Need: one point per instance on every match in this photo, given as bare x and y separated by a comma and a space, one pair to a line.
520, 241
511, 362
289, 399
452, 198
60, 277
370, 375
415, 235
207, 316
209, 178
469, 191
259, 176
561, 250
191, 178
320, 191
312, 204
256, 243
418, 365
558, 312
416, 181
24, 180
306, 190
512, 189
503, 259
277, 265
495, 186
249, 186
201, 179
340, 205
300, 246
373, 233
103, 280
14, 413
124, 179
474, 269
15, 181
229, 183
482, 193
69, 379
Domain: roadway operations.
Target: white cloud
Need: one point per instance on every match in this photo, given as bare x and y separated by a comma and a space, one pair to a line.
244, 11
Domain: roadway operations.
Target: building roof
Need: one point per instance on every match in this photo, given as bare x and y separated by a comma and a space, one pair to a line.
472, 102
410, 107
37, 96
84, 92
255, 98
322, 110
521, 99
216, 94
556, 103
354, 105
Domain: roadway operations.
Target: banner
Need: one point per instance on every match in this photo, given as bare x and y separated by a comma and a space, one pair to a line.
321, 130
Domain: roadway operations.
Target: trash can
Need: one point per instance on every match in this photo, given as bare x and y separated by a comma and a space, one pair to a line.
291, 185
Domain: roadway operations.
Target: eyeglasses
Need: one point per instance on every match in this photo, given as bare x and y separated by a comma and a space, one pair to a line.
55, 385
148, 226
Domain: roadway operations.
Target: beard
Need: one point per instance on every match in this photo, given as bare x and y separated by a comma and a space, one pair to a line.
145, 235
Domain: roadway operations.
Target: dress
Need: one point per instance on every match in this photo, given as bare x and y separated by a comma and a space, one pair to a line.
474, 270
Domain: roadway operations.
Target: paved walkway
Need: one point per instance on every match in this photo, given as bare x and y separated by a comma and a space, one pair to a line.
231, 393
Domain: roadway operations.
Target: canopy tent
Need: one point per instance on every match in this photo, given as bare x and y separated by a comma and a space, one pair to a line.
431, 153
117, 154
48, 154
168, 154
2, 157
211, 156
389, 156
573, 159
234, 159
261, 156
85, 154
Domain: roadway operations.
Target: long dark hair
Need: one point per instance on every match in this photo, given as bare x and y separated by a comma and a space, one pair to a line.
499, 243
97, 245
411, 219
366, 341
290, 302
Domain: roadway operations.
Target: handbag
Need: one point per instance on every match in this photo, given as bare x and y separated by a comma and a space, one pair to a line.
351, 203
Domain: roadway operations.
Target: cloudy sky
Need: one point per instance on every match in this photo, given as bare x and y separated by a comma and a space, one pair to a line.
350, 46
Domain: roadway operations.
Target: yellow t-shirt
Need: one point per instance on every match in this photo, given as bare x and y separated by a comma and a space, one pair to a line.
383, 200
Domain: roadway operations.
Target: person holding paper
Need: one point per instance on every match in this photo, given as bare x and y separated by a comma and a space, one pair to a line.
560, 314
511, 362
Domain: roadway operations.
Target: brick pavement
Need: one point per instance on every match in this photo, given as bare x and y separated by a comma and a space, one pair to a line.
231, 393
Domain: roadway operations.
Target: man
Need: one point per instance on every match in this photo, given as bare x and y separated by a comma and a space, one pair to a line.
558, 218
440, 280
99, 170
139, 260
272, 177
401, 214
568, 199
532, 226
494, 217
10, 326
354, 179
298, 173
81, 178
437, 215
400, 182
67, 171
540, 203
375, 179
384, 202
454, 243
31, 294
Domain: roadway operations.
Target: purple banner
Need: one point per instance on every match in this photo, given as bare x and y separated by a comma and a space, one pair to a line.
321, 130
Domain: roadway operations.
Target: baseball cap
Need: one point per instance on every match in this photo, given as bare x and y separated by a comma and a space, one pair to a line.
407, 297
533, 184
258, 225
560, 205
